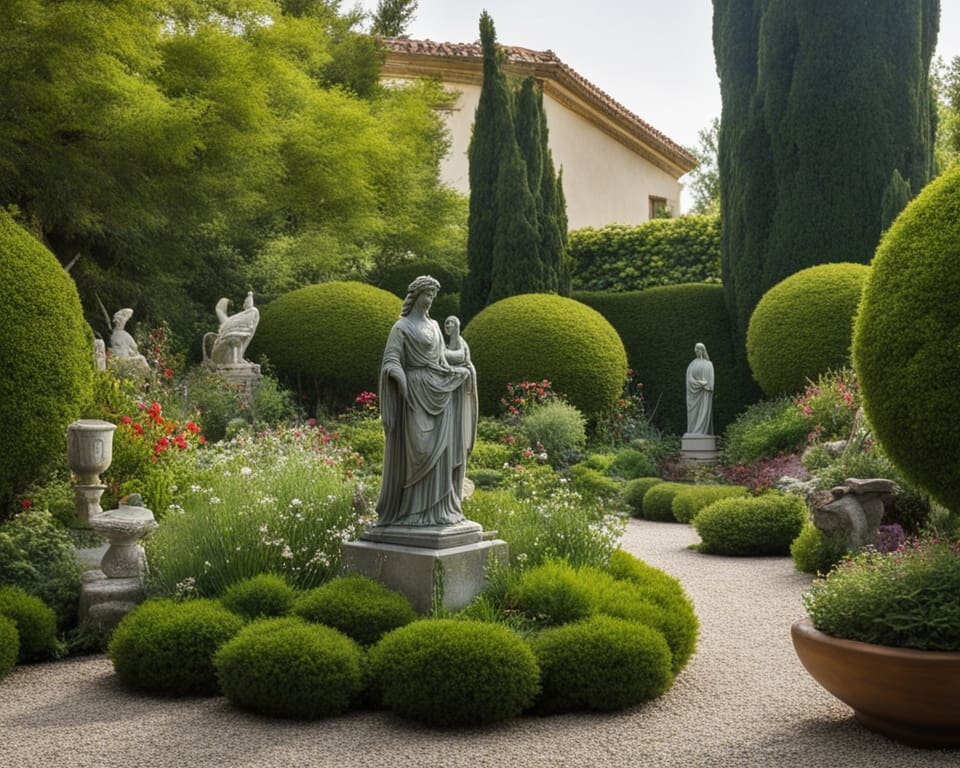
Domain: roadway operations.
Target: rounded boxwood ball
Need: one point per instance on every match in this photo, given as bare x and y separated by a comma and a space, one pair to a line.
538, 336
36, 623
332, 333
46, 358
167, 647
602, 663
288, 668
358, 606
9, 646
802, 327
760, 525
906, 346
450, 672
259, 596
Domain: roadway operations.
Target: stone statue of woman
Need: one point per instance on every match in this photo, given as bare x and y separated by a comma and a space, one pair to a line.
428, 408
700, 393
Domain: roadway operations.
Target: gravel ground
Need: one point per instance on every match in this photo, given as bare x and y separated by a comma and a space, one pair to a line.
744, 700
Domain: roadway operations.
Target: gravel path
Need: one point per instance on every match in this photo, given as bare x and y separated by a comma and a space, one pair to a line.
744, 700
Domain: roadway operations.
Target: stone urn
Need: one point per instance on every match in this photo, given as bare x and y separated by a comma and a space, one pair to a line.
89, 449
123, 528
908, 695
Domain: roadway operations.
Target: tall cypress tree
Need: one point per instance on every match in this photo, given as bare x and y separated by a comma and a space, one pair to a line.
821, 102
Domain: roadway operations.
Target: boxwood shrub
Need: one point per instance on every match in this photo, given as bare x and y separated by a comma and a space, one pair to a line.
689, 501
635, 490
398, 277
552, 593
9, 646
760, 525
601, 663
259, 596
36, 623
358, 606
167, 647
629, 464
450, 672
658, 501
287, 667
815, 552
764, 430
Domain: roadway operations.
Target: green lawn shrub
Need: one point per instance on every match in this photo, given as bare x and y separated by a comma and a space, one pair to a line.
487, 454
451, 672
36, 623
760, 525
542, 336
366, 437
358, 606
9, 646
602, 663
802, 327
660, 586
486, 478
688, 502
397, 278
635, 490
552, 593
658, 501
764, 430
46, 358
592, 483
265, 595
167, 647
630, 463
815, 552
287, 667
556, 426
905, 340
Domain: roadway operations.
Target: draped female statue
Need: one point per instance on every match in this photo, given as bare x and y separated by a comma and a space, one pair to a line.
700, 393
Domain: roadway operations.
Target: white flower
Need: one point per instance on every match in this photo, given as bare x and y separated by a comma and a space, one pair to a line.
214, 499
296, 502
287, 553
245, 471
195, 488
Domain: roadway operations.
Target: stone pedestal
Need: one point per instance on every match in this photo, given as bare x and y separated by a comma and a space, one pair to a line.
87, 500
242, 374
106, 600
699, 448
448, 577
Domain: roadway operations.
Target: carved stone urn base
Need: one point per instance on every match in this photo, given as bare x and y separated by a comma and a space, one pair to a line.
699, 448
908, 695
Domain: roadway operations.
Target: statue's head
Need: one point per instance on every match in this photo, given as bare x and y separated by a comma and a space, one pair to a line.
423, 284
451, 325
701, 351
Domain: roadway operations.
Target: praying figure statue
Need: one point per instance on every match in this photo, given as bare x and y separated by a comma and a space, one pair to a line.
700, 393
227, 346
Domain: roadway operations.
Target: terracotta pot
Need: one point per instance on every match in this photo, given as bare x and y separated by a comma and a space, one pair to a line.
911, 696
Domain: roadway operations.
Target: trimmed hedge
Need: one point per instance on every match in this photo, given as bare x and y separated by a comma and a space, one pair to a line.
36, 623
288, 668
328, 339
688, 502
538, 336
620, 257
634, 492
167, 647
760, 525
815, 552
450, 672
259, 596
553, 593
905, 346
659, 327
802, 327
46, 358
658, 501
9, 646
397, 278
358, 606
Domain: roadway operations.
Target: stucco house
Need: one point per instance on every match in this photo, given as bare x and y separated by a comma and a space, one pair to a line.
616, 167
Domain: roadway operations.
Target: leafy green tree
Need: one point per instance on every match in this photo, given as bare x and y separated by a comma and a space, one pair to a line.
705, 178
946, 83
392, 17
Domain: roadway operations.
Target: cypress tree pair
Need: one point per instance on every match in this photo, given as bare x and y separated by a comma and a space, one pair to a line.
516, 241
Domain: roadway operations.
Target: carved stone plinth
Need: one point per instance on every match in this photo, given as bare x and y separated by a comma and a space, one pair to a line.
87, 500
699, 448
106, 600
123, 528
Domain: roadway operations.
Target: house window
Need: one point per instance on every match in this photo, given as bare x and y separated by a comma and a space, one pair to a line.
659, 208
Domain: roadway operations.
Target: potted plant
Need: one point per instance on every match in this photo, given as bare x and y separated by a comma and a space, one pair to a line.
883, 636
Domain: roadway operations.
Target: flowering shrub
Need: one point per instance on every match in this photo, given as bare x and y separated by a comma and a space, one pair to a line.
525, 396
763, 475
367, 404
627, 420
830, 405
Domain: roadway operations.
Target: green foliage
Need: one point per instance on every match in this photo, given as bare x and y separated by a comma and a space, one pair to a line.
792, 196
552, 593
761, 525
167, 647
658, 501
764, 430
619, 257
365, 436
594, 484
289, 668
9, 646
704, 183
689, 501
557, 427
602, 663
392, 17
540, 336
629, 464
489, 455
659, 327
36, 623
905, 599
398, 277
802, 327
906, 336
308, 334
37, 555
449, 672
221, 403
815, 552
896, 195
627, 567
46, 358
634, 492
358, 606
264, 595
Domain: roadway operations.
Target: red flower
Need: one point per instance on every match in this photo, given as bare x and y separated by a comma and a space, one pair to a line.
168, 372
126, 420
192, 427
138, 428
26, 503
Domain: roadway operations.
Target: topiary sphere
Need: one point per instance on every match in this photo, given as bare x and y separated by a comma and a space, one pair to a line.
454, 672
802, 326
36, 623
288, 668
259, 596
9, 646
46, 359
759, 525
358, 606
552, 593
167, 647
539, 336
602, 663
658, 501
331, 334
906, 346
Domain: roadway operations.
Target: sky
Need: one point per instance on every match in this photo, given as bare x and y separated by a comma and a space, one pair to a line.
654, 57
